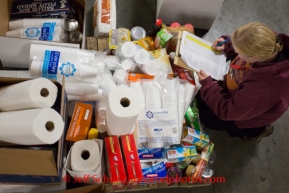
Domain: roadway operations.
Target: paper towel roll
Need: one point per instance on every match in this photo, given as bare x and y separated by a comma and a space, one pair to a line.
31, 127
120, 76
138, 88
73, 72
81, 88
35, 93
38, 52
122, 111
85, 156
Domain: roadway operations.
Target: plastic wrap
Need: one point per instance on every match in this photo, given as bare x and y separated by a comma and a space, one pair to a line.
104, 17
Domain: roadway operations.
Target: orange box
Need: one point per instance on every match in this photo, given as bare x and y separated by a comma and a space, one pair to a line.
80, 122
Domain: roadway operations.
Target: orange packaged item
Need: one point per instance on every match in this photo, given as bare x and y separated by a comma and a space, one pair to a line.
135, 77
115, 165
80, 122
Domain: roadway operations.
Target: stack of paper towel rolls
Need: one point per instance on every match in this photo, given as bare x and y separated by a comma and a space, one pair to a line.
26, 117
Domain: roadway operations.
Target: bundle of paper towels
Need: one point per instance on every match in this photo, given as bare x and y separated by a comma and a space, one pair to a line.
26, 117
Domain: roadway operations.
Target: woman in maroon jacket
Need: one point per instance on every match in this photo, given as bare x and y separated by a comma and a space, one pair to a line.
255, 92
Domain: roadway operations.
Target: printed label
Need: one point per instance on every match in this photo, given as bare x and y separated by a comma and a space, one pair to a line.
50, 64
32, 32
47, 31
67, 69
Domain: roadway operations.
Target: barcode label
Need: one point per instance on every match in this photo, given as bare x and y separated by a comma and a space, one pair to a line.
175, 130
158, 131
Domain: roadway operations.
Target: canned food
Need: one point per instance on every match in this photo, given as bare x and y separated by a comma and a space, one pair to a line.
72, 25
137, 33
75, 37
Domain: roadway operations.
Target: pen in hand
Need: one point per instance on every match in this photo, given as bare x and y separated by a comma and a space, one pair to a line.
221, 43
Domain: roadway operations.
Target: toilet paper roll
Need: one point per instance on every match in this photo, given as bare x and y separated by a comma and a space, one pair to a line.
151, 67
73, 72
36, 93
81, 88
85, 156
100, 124
126, 50
141, 56
31, 127
122, 111
138, 88
38, 52
120, 76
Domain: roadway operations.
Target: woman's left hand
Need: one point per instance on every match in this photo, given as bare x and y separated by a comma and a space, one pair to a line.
202, 75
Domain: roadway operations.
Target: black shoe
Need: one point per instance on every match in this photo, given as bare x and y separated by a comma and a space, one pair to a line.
267, 132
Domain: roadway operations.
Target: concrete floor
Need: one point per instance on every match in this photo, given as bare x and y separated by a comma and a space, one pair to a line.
249, 168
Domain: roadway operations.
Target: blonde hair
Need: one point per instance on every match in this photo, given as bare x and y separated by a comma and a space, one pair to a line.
256, 40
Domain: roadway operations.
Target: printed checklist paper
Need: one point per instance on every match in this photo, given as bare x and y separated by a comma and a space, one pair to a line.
198, 55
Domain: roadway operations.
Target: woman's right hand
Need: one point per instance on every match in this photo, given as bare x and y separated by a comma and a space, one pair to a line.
220, 48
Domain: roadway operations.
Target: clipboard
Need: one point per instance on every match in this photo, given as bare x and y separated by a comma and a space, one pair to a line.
178, 59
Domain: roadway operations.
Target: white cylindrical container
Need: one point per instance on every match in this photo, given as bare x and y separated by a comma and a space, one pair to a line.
126, 50
55, 34
141, 56
151, 67
111, 62
128, 64
35, 22
120, 76
73, 72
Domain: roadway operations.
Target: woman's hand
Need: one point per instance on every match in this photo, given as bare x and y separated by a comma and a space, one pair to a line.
202, 75
220, 48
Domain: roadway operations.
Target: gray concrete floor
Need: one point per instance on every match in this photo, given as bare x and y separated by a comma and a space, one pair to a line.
249, 168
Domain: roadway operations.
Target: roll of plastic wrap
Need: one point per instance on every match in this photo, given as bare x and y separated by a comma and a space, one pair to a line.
120, 76
73, 72
35, 22
81, 88
42, 52
30, 94
85, 156
138, 88
122, 111
31, 127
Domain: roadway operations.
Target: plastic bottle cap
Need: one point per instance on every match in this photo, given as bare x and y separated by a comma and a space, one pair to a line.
137, 33
93, 133
159, 22
175, 25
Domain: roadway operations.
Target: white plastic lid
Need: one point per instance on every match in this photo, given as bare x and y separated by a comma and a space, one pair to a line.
137, 33
128, 49
141, 56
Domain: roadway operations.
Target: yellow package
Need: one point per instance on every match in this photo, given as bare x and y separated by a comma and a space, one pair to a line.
147, 43
118, 36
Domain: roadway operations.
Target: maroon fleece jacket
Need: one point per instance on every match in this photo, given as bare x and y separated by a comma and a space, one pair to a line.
261, 98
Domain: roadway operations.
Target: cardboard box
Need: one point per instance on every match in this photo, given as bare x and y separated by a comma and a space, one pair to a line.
14, 52
131, 160
153, 170
42, 9
100, 188
201, 14
150, 153
115, 165
80, 122
194, 137
179, 154
37, 166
